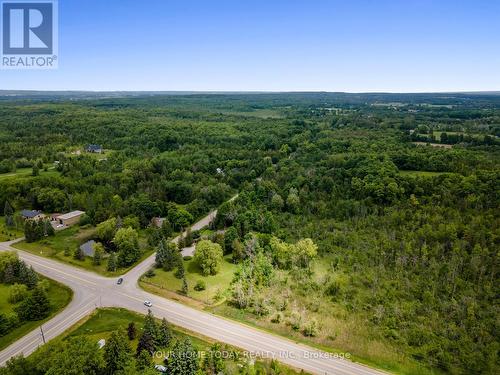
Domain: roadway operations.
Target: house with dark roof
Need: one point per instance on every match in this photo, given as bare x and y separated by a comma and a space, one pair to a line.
32, 214
96, 149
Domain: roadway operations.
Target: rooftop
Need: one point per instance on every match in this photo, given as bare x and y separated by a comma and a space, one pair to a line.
30, 213
71, 214
94, 147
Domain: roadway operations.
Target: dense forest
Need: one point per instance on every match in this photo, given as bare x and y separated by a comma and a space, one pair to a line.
397, 194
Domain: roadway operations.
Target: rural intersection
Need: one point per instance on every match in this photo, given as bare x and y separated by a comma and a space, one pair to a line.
91, 291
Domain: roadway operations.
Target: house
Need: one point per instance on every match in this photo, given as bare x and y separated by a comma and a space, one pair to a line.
70, 218
32, 214
96, 149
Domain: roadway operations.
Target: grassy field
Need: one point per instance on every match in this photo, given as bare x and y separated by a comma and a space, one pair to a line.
260, 113
26, 172
437, 134
8, 234
340, 332
103, 322
420, 173
59, 297
215, 285
70, 238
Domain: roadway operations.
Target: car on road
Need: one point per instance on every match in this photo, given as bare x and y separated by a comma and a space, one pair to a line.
148, 303
120, 280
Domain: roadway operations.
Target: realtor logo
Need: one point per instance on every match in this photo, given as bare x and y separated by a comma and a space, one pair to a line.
29, 34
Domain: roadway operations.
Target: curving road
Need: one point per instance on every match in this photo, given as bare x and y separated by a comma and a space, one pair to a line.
92, 291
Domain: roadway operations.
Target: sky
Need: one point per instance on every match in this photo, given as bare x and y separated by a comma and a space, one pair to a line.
272, 45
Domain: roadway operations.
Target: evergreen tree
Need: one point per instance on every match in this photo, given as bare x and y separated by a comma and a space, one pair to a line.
213, 363
183, 359
188, 239
30, 231
119, 222
78, 254
39, 229
185, 288
166, 228
112, 262
180, 241
144, 361
230, 236
9, 276
48, 228
35, 307
116, 353
172, 256
27, 275
161, 254
131, 331
150, 325
8, 212
164, 334
98, 254
180, 269
146, 343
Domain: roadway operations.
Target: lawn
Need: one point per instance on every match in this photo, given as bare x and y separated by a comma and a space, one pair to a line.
70, 238
420, 173
26, 172
59, 296
103, 322
8, 234
215, 285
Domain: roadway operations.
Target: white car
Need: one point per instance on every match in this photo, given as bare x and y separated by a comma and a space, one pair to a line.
148, 303
160, 368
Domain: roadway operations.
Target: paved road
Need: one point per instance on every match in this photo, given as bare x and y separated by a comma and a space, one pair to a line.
92, 291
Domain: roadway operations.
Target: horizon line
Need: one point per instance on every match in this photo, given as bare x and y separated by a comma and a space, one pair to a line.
249, 91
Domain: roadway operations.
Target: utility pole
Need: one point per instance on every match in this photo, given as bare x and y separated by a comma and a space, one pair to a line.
43, 336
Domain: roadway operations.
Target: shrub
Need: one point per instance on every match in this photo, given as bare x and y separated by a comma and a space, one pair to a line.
44, 285
219, 295
151, 273
85, 220
261, 307
294, 321
200, 285
311, 328
17, 293
277, 318
7, 323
